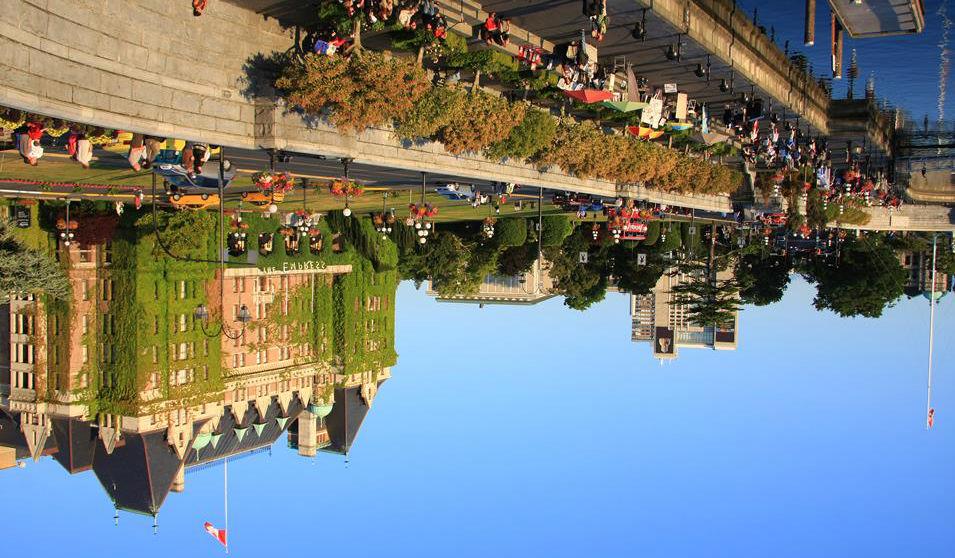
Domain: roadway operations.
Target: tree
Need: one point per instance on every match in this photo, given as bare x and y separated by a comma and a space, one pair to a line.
865, 280
28, 271
527, 139
447, 261
517, 259
360, 91
581, 284
632, 277
478, 120
185, 234
709, 302
762, 279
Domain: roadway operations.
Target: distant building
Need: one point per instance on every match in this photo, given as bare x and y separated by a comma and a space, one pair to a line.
918, 265
525, 289
655, 318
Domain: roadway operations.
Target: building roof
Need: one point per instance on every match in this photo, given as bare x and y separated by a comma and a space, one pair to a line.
345, 419
878, 18
225, 441
138, 474
75, 442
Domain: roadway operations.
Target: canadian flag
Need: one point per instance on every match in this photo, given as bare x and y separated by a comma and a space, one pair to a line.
217, 534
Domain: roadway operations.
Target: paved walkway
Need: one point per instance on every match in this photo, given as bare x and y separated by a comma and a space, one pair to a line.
911, 218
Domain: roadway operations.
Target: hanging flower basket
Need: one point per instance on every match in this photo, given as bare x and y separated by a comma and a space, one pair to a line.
342, 188
273, 182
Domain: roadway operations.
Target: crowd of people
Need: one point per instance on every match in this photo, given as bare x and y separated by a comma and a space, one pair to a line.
413, 15
782, 146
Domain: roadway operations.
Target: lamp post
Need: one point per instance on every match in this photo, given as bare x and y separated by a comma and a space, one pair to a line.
345, 162
67, 233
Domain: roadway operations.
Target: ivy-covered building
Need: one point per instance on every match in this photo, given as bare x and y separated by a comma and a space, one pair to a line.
125, 380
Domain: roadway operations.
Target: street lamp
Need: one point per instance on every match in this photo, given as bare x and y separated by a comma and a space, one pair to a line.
243, 317
67, 233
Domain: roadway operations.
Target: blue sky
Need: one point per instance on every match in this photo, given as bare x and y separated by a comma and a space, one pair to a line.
545, 431
906, 67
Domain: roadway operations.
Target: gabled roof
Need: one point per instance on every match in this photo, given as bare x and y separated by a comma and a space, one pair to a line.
76, 444
138, 475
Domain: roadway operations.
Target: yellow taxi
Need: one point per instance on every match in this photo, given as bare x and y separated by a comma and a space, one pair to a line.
194, 201
263, 198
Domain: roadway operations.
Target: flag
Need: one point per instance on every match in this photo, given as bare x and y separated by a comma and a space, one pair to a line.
217, 534
931, 418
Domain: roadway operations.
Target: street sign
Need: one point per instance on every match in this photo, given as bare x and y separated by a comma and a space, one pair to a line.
691, 229
582, 257
641, 259
21, 216
669, 88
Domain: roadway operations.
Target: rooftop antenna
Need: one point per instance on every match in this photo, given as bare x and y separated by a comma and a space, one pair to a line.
155, 524
929, 411
116, 517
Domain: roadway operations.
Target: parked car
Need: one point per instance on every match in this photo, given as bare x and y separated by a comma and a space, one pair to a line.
194, 201
457, 192
262, 198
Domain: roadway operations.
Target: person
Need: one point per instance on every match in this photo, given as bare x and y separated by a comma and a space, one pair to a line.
84, 151
28, 143
599, 21
198, 6
137, 152
153, 148
503, 35
490, 28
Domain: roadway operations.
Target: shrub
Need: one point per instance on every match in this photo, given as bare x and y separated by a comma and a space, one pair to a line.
511, 232
555, 228
367, 89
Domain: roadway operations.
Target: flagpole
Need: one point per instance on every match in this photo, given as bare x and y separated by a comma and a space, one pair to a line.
225, 468
931, 333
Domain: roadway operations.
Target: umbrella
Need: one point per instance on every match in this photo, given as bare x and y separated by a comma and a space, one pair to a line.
679, 126
589, 95
624, 106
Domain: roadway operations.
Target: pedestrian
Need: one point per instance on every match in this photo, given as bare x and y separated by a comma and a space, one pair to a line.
137, 152
153, 148
198, 6
84, 151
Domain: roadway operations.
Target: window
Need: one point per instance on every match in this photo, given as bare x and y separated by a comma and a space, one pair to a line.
86, 354
205, 347
182, 322
107, 289
183, 351
235, 284
156, 290
86, 324
155, 354
182, 290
